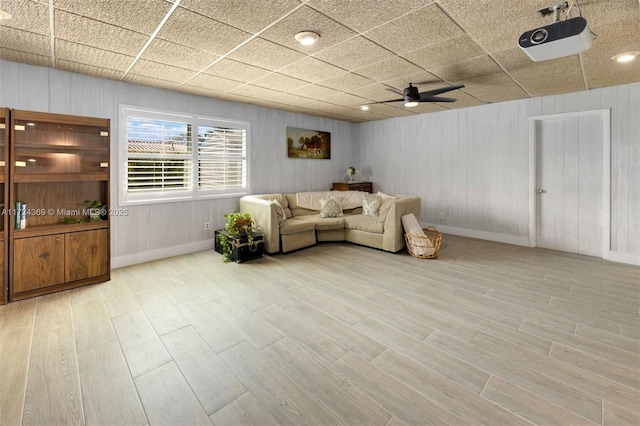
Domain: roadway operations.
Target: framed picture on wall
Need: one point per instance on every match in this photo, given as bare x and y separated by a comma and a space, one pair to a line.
313, 144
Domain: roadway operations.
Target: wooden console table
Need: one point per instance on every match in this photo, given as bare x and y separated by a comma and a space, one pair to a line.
352, 186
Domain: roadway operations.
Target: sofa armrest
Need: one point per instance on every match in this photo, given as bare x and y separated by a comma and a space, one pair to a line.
264, 215
393, 236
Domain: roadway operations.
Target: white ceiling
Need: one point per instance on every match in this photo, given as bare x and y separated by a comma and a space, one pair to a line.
244, 50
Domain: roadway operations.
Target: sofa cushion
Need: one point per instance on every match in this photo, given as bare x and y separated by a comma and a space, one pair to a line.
330, 207
324, 223
384, 211
371, 204
290, 227
364, 223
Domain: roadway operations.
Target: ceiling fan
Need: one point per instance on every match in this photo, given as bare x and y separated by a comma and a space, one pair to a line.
411, 97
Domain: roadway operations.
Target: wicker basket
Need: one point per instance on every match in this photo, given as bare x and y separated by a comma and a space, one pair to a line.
424, 247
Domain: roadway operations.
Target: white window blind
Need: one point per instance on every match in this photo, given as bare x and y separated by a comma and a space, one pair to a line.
160, 156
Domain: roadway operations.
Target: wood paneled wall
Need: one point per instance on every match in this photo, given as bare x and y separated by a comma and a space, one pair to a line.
160, 230
472, 164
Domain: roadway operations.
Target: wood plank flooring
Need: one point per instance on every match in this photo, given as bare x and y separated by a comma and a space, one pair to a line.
488, 334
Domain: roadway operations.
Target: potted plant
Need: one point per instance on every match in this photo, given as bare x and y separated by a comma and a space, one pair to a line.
97, 210
238, 224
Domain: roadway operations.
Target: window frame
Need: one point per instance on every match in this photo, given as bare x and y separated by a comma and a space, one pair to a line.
194, 192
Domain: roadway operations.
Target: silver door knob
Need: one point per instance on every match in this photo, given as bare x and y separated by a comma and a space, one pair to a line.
541, 191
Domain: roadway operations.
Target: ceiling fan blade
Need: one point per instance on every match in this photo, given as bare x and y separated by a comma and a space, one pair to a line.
397, 92
395, 100
441, 90
436, 99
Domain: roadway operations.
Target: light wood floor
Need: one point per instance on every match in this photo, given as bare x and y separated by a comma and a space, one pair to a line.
487, 334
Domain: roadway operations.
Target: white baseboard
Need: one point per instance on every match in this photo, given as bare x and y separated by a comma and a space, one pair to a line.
148, 256
483, 235
631, 259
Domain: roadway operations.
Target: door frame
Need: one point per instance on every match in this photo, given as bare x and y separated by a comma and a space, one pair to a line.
605, 117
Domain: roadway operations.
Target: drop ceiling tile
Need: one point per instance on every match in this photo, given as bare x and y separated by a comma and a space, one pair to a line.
463, 100
80, 54
200, 91
27, 16
364, 15
424, 80
160, 71
24, 57
560, 75
423, 27
493, 88
606, 13
92, 33
28, 42
211, 82
251, 91
623, 36
265, 54
234, 70
495, 25
150, 81
280, 82
475, 67
178, 55
376, 92
307, 19
444, 53
348, 100
202, 33
311, 69
140, 15
251, 16
314, 91
88, 70
354, 53
346, 81
387, 69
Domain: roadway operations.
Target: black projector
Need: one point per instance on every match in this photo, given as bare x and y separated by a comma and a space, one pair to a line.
562, 38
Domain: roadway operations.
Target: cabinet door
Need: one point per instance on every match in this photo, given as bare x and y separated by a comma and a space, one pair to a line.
86, 254
38, 262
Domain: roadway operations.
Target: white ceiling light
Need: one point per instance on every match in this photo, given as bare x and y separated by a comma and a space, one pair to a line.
365, 107
625, 57
4, 15
410, 104
307, 38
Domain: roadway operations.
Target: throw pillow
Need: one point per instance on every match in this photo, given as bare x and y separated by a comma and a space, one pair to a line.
371, 204
386, 197
279, 211
330, 207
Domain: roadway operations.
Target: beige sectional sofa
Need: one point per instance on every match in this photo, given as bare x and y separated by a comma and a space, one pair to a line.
294, 221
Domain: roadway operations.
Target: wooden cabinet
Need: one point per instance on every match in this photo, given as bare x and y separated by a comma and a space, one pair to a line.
85, 254
57, 164
352, 186
39, 263
4, 201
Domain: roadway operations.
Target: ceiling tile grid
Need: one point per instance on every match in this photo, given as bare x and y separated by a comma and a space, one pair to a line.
245, 51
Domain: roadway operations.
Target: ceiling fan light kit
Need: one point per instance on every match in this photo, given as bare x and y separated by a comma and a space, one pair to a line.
411, 96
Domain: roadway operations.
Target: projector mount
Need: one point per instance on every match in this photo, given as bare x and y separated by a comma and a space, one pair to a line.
555, 9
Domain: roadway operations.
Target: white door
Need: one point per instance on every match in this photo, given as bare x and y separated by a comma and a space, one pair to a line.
569, 184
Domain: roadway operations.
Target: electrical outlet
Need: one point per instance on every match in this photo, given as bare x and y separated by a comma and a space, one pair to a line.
207, 226
441, 215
